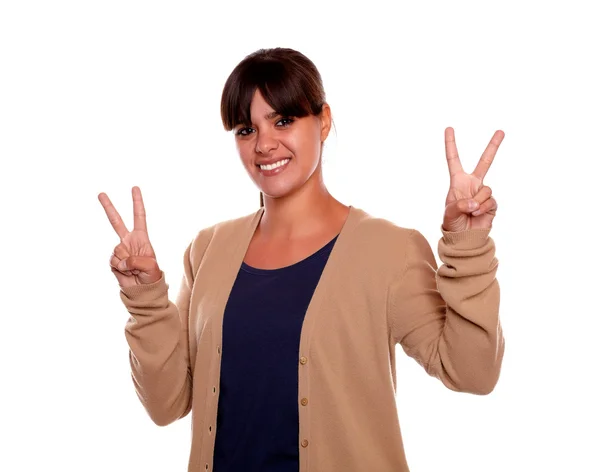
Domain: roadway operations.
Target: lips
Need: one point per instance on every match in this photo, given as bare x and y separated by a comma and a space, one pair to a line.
275, 171
271, 161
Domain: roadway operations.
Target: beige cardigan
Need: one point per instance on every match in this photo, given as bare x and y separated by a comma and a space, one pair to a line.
380, 286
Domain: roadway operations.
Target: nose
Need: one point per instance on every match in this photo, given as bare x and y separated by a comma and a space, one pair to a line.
265, 143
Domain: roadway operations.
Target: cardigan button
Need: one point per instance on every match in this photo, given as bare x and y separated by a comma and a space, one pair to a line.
305, 443
303, 360
304, 401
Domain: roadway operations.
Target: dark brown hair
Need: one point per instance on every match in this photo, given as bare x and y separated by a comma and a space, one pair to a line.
287, 80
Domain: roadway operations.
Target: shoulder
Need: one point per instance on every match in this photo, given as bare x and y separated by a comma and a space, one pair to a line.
369, 228
223, 232
385, 242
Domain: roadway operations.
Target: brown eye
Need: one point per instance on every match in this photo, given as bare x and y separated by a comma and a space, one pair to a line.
286, 121
243, 131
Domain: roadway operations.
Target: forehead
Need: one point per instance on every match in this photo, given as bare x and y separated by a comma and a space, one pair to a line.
259, 106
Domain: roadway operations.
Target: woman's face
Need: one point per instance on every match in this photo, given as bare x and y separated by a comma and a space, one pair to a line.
281, 153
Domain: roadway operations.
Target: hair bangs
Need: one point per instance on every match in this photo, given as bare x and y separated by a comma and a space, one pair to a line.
288, 81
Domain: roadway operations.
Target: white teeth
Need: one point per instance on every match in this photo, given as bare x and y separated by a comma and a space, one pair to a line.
274, 165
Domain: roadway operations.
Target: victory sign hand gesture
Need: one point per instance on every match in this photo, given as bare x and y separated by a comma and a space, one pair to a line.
133, 260
469, 204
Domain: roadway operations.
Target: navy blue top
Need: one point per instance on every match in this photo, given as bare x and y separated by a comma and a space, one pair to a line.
257, 418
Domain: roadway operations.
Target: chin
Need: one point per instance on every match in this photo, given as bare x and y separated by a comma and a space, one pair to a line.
281, 191
277, 195
280, 186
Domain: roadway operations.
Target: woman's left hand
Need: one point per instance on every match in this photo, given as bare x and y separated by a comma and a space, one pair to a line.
468, 188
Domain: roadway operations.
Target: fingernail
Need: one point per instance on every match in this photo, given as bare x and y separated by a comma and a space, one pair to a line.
122, 265
473, 204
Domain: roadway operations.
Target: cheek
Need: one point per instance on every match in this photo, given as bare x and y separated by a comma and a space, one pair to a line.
306, 144
245, 151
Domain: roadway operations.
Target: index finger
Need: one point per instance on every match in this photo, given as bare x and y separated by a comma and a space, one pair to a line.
454, 165
488, 155
113, 215
139, 212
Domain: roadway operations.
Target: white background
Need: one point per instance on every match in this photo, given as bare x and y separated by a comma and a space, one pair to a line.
100, 96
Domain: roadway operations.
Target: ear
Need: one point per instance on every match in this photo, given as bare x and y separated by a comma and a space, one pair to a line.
325, 116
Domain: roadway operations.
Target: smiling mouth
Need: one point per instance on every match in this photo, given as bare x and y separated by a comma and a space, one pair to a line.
275, 165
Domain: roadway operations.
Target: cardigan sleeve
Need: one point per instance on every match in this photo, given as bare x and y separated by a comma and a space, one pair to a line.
448, 319
157, 334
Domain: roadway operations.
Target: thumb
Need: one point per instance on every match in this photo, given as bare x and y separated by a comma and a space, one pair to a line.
142, 263
460, 207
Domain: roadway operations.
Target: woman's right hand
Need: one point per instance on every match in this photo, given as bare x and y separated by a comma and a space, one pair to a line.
133, 260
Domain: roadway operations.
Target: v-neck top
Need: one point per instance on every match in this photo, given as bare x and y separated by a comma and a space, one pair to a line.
381, 286
257, 417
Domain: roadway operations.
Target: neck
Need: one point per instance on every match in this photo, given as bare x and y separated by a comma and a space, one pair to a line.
301, 214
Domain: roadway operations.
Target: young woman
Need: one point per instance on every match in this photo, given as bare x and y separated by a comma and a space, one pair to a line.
281, 341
